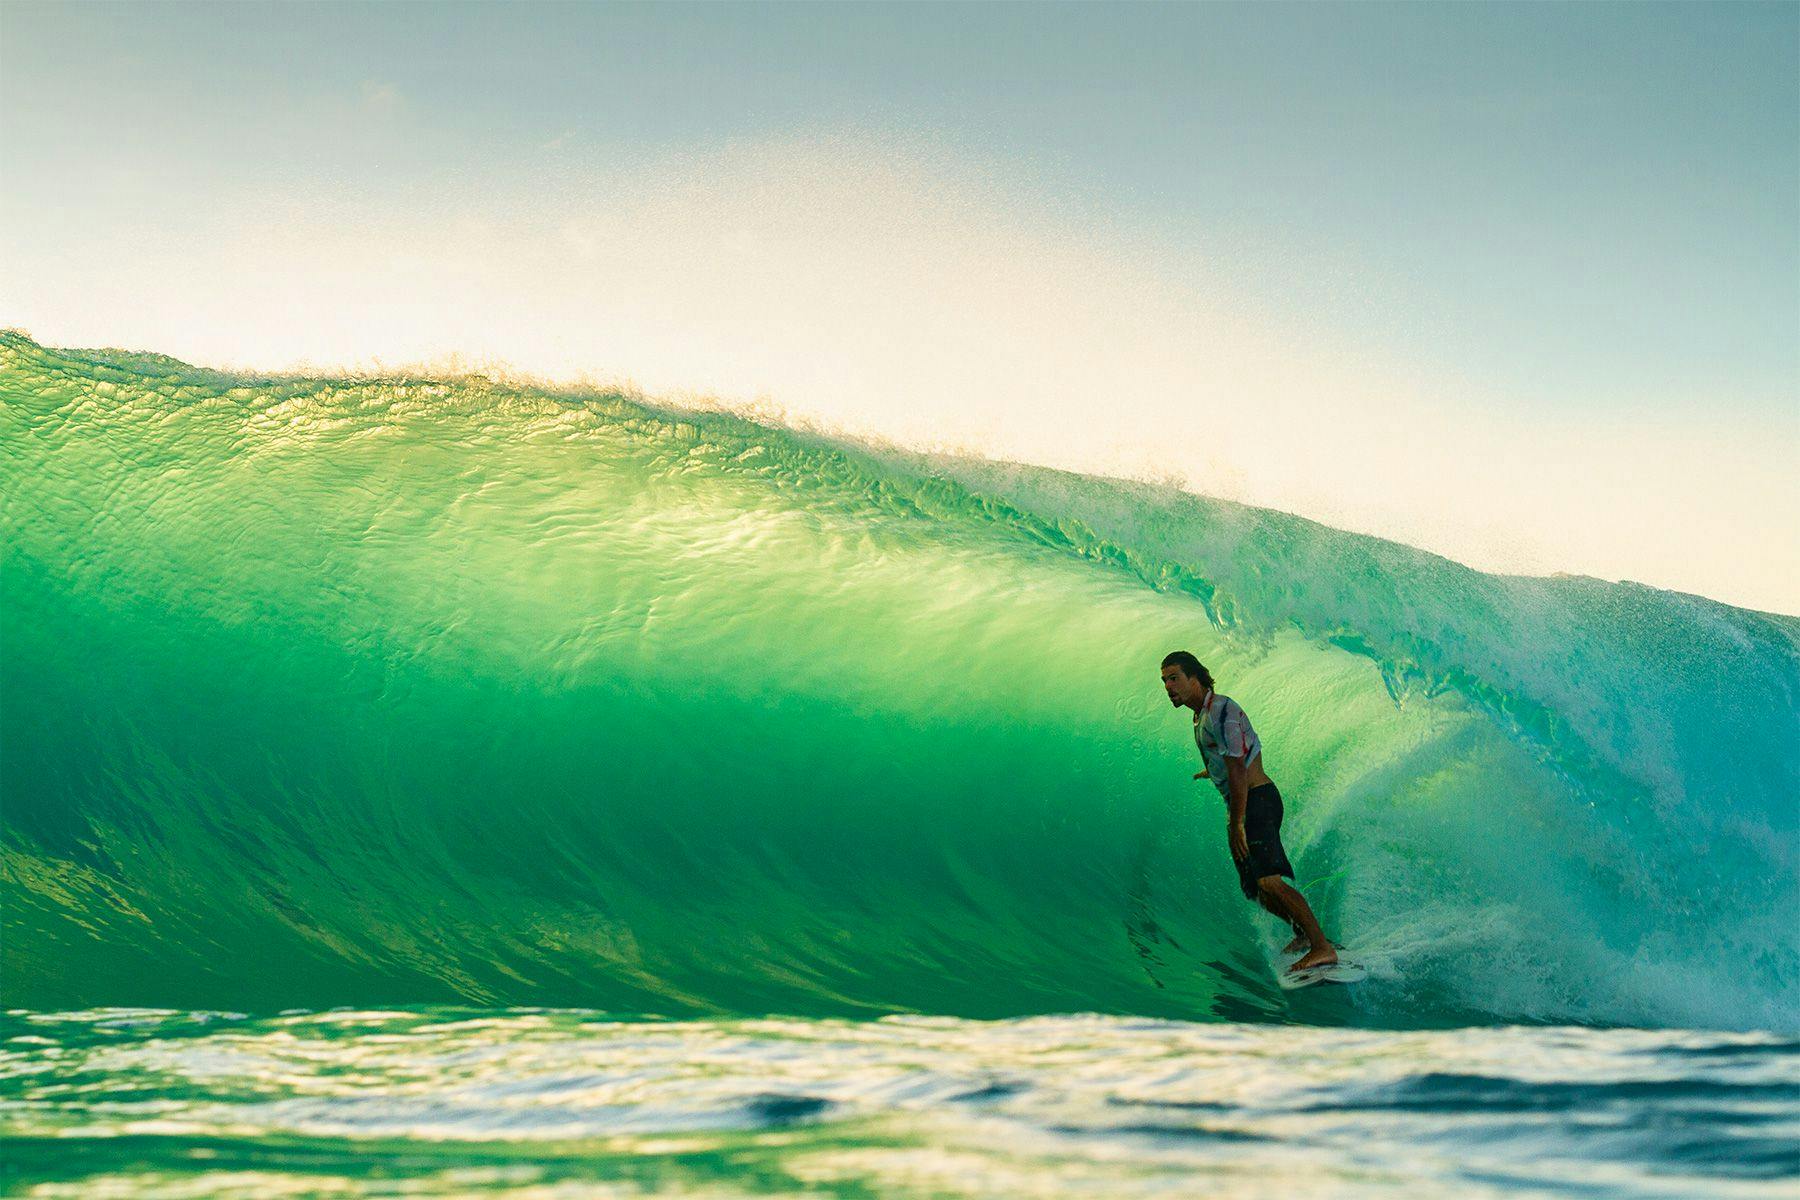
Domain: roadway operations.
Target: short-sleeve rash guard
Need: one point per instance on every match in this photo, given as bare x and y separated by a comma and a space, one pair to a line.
1223, 731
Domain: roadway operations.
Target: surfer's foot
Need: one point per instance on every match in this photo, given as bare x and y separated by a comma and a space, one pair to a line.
1322, 956
1295, 946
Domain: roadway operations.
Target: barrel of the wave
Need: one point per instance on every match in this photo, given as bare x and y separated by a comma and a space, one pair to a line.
390, 691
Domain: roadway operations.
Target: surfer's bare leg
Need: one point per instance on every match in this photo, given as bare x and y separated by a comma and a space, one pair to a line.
1275, 890
1274, 909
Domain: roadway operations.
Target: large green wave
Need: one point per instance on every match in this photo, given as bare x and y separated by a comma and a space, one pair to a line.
400, 690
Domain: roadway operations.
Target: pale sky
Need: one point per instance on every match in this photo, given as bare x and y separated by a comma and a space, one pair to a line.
1520, 285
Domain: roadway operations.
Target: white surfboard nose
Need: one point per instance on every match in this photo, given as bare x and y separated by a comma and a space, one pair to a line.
1341, 971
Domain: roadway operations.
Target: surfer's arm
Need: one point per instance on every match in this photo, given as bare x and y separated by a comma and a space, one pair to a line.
1237, 799
1237, 792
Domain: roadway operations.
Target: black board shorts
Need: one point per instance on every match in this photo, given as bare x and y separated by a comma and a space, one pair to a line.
1262, 829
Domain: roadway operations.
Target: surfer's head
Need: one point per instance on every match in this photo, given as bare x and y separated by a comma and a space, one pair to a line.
1184, 678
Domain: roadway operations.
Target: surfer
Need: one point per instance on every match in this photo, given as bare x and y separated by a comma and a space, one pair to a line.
1233, 756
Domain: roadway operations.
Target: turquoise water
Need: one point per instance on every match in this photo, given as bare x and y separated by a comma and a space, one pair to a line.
424, 693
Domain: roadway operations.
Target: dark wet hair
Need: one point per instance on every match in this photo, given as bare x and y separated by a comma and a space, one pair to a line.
1190, 666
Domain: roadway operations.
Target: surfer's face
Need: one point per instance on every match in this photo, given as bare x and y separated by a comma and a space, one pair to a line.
1177, 685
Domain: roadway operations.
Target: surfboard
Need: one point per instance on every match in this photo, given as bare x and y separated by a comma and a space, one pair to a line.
1341, 971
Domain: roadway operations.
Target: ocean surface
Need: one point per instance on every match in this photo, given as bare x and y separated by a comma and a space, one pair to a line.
421, 786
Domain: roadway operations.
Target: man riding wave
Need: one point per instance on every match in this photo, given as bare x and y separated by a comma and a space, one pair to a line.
1233, 756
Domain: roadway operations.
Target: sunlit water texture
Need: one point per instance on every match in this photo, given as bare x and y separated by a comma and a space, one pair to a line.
553, 1103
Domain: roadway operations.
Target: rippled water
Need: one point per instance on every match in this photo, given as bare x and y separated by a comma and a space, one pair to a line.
550, 1103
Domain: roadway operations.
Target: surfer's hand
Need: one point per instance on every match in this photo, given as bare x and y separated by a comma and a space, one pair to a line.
1240, 844
1201, 775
